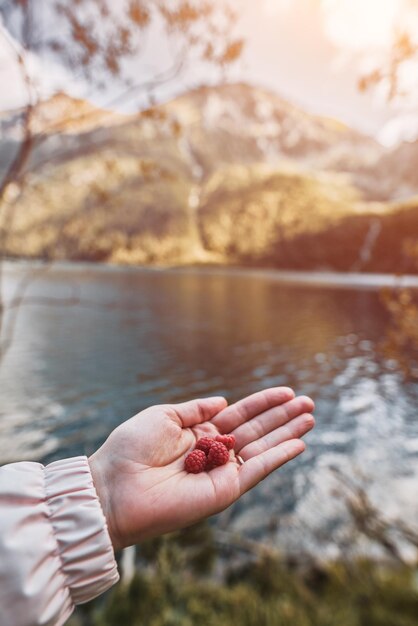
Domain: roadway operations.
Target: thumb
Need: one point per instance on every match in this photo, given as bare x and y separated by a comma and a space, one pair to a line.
200, 410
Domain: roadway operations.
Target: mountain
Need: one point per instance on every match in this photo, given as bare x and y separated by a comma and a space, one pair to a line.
233, 174
62, 114
242, 124
230, 124
397, 172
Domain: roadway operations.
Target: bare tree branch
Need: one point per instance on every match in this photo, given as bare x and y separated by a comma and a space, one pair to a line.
162, 78
14, 172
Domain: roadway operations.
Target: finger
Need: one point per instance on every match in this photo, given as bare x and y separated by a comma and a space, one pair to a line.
270, 420
249, 407
198, 411
259, 467
296, 428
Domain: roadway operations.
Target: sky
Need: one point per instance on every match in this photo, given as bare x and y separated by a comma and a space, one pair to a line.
311, 52
314, 52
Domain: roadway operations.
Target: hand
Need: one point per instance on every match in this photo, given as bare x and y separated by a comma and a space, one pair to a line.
139, 471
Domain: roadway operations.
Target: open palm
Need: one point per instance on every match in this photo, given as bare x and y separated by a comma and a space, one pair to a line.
139, 471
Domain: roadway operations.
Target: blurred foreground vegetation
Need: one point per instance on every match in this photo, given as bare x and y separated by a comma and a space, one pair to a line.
187, 578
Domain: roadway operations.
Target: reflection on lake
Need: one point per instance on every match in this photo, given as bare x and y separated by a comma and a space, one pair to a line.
74, 372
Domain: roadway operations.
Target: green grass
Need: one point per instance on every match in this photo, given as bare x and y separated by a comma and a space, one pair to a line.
174, 587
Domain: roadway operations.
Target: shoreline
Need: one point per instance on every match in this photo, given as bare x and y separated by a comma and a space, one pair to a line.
296, 278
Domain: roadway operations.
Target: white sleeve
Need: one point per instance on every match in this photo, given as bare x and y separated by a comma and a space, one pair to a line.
55, 549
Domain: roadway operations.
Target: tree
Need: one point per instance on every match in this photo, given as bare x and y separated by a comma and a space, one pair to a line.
99, 41
403, 51
400, 303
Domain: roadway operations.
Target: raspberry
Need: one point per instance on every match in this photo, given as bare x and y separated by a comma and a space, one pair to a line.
227, 440
195, 462
218, 455
204, 444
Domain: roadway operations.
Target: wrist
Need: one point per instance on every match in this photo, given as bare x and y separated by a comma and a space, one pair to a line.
103, 490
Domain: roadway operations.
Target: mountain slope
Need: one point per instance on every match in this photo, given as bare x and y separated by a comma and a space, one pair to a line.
232, 174
239, 124
213, 127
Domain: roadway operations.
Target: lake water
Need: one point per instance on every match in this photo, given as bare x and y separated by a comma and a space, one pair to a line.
140, 337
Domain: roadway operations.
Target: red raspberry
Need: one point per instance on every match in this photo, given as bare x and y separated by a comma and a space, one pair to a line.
204, 444
195, 462
218, 455
227, 440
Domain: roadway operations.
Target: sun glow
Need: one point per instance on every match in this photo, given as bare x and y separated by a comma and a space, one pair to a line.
360, 24
355, 25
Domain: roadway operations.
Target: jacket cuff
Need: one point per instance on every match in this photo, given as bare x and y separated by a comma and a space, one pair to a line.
80, 528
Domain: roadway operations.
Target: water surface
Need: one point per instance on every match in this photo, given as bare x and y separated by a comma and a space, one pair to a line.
142, 337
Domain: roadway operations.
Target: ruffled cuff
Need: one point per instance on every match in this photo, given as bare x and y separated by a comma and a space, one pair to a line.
80, 529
